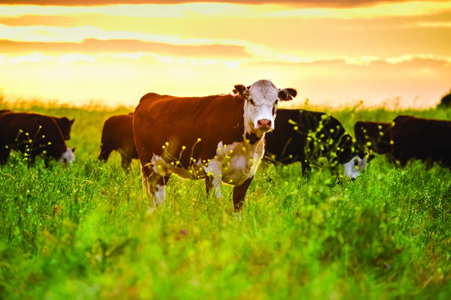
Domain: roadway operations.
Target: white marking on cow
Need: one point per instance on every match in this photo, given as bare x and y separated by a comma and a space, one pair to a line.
67, 157
353, 167
160, 194
236, 163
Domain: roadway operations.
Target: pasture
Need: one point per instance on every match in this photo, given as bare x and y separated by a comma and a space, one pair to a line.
83, 232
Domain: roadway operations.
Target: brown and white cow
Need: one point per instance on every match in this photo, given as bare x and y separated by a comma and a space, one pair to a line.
32, 134
117, 134
424, 139
220, 138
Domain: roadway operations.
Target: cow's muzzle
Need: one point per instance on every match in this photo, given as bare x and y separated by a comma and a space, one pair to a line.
264, 124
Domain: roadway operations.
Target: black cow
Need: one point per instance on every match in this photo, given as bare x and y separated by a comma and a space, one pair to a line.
314, 139
373, 136
424, 139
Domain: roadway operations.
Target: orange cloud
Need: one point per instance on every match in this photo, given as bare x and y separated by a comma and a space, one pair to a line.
120, 46
307, 3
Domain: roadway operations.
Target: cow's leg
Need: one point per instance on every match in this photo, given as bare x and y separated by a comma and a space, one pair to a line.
105, 153
239, 192
154, 186
213, 184
4, 154
126, 161
213, 178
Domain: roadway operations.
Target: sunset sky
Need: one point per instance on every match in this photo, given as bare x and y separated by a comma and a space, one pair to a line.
334, 52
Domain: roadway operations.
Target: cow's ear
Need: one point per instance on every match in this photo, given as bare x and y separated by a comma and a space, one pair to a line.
241, 90
73, 149
287, 94
72, 121
370, 157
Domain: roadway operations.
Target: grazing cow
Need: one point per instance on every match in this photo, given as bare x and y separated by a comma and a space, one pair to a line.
220, 138
64, 123
117, 134
32, 134
374, 136
314, 139
424, 139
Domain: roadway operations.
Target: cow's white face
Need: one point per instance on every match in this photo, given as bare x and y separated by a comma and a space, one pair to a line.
260, 107
68, 157
353, 167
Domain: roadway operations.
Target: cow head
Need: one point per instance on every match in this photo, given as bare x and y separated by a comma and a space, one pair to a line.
65, 125
68, 157
260, 107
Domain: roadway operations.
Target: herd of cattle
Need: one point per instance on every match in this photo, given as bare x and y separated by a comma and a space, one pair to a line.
223, 138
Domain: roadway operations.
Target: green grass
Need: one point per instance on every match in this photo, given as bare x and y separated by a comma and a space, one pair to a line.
83, 232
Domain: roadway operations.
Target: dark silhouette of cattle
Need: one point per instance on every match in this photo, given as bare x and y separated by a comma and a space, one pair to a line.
314, 139
64, 123
423, 139
32, 135
117, 134
219, 138
445, 101
373, 136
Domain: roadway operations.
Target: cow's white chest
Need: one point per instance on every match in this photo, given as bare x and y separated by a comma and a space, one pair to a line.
236, 163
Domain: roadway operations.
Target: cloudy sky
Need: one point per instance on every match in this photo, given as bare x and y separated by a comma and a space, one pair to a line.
333, 52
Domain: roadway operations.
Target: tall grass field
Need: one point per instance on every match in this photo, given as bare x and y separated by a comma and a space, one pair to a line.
83, 232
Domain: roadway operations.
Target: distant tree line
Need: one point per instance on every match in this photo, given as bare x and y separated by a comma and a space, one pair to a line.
446, 100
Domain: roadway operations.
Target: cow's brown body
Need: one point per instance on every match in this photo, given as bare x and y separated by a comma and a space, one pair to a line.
424, 139
374, 136
211, 137
31, 134
117, 134
186, 130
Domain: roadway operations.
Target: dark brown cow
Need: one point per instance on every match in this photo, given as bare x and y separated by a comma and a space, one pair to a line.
32, 134
220, 138
314, 139
374, 136
117, 134
64, 123
424, 139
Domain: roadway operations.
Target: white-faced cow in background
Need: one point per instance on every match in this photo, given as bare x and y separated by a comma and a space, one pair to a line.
220, 138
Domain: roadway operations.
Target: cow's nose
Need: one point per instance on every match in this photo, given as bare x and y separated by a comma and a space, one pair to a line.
264, 124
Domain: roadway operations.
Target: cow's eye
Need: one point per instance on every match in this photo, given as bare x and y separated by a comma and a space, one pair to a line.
252, 102
356, 162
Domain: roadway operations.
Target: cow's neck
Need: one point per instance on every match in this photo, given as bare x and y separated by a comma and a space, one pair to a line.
253, 138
